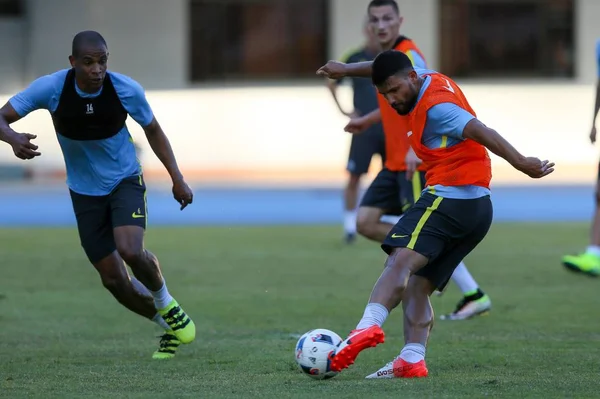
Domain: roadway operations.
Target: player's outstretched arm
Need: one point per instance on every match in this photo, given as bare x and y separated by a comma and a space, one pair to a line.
332, 85
20, 142
162, 148
338, 70
374, 116
533, 167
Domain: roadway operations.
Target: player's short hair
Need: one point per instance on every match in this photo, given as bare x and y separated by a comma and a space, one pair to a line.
87, 37
383, 3
389, 63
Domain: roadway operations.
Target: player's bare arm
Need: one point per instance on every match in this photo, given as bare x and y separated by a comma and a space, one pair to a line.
531, 166
332, 86
596, 109
374, 116
162, 148
412, 162
338, 70
20, 142
360, 124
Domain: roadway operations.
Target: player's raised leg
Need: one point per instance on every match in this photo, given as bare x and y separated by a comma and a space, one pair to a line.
403, 261
474, 301
418, 321
463, 224
386, 295
129, 213
393, 192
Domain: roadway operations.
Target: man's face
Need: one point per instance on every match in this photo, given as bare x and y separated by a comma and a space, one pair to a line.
385, 23
401, 91
90, 65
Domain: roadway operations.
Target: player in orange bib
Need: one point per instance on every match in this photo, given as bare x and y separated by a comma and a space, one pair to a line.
450, 218
397, 186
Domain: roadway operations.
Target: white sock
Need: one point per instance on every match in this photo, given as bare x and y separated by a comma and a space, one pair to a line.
412, 353
160, 321
162, 298
375, 315
391, 219
139, 287
463, 279
593, 250
350, 222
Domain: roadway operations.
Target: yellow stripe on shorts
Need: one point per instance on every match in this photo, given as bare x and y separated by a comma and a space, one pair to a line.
417, 186
415, 235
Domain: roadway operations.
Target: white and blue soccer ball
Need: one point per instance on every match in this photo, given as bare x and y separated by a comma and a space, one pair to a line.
314, 350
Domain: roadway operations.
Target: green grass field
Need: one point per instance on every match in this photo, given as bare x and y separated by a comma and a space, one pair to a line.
252, 290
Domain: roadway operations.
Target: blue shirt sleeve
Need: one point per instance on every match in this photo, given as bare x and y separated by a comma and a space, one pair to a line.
416, 59
133, 98
42, 93
447, 119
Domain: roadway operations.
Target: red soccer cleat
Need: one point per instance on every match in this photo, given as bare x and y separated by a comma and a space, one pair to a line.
357, 341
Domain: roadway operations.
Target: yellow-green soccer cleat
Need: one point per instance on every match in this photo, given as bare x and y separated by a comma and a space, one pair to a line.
167, 347
585, 263
183, 327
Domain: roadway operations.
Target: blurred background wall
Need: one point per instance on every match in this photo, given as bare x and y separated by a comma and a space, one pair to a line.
232, 81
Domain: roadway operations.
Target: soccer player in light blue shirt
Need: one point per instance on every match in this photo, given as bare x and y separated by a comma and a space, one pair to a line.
589, 262
89, 106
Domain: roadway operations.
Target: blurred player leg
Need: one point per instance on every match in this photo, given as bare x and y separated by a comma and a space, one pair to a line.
351, 193
362, 149
380, 198
589, 262
474, 301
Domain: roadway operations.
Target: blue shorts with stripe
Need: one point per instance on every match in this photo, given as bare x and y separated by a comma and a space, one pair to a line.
444, 230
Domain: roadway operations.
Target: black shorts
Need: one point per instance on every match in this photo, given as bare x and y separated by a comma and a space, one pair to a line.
391, 192
444, 230
97, 216
363, 147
